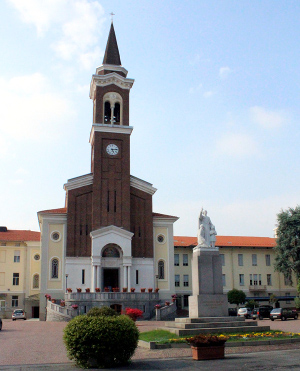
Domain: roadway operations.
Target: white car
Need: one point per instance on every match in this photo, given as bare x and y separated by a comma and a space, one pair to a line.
18, 314
244, 312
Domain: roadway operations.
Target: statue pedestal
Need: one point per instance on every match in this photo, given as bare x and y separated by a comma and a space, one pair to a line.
208, 299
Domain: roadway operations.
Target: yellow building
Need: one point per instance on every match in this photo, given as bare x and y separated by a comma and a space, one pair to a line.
20, 272
247, 265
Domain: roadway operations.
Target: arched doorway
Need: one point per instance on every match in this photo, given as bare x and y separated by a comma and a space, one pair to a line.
111, 275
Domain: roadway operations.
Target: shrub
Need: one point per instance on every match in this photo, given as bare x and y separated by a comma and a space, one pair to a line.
101, 341
103, 312
134, 313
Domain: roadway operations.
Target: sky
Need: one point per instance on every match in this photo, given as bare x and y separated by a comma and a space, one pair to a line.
215, 105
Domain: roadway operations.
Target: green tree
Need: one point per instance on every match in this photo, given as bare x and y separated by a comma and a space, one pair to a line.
251, 304
287, 250
236, 296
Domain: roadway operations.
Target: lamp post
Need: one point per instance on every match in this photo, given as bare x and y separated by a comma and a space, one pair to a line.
67, 281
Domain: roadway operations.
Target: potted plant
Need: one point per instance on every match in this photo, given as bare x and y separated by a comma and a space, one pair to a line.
62, 303
143, 290
174, 298
124, 289
116, 289
150, 289
69, 290
167, 303
106, 289
97, 289
157, 306
53, 301
132, 289
207, 346
74, 306
78, 290
157, 289
87, 290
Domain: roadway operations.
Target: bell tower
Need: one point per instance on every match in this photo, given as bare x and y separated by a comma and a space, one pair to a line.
110, 140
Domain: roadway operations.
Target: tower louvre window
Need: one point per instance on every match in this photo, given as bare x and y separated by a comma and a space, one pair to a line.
107, 201
115, 202
107, 112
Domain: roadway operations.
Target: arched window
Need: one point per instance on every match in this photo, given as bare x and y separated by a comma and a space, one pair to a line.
117, 113
161, 270
54, 268
107, 112
36, 281
110, 252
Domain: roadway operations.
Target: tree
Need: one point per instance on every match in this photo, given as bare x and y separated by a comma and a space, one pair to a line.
287, 250
236, 296
251, 304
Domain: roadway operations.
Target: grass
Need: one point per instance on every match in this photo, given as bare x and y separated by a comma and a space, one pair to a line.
163, 336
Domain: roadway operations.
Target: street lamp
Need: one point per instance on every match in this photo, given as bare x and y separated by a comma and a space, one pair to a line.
67, 282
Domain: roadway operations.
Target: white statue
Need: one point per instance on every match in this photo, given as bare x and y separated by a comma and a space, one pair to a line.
206, 230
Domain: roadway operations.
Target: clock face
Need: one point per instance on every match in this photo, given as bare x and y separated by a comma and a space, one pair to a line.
112, 149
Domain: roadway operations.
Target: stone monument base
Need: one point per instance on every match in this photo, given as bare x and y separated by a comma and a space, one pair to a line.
208, 305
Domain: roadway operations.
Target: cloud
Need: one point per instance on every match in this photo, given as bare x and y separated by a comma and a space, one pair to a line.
75, 23
224, 72
266, 118
237, 145
30, 110
208, 94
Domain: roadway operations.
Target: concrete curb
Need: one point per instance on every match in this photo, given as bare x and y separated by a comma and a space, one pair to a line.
153, 345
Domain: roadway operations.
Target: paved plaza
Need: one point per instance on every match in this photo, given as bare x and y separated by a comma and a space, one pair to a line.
34, 345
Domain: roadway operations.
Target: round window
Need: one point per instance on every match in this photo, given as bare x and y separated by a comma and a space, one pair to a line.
55, 236
161, 238
36, 257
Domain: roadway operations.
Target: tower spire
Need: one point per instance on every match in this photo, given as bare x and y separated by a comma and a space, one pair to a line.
112, 55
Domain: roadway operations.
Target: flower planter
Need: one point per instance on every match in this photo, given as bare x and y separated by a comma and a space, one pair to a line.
167, 303
78, 290
87, 290
208, 352
132, 289
150, 290
53, 301
69, 290
116, 289
157, 289
97, 289
106, 289
143, 290
124, 289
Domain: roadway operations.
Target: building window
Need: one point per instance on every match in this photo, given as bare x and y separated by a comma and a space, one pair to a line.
176, 260
185, 260
36, 257
161, 270
240, 260
161, 238
14, 301
136, 277
54, 268
288, 294
16, 279
83, 276
107, 112
224, 279
186, 280
177, 280
36, 281
242, 280
55, 236
17, 256
2, 305
269, 279
287, 281
254, 259
222, 259
268, 260
251, 281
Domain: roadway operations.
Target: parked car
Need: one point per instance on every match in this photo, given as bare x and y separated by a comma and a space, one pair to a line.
0, 324
262, 312
18, 314
244, 312
283, 314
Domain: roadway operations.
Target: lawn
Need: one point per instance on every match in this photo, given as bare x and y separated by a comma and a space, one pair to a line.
164, 337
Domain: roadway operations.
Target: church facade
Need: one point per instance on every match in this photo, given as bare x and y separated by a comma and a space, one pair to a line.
107, 235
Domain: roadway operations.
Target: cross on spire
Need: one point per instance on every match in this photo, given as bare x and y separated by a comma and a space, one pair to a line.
112, 16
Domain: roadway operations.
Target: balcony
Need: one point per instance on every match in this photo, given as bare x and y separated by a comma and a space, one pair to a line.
258, 288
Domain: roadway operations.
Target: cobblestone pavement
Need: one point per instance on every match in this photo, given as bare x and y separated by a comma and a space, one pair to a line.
34, 342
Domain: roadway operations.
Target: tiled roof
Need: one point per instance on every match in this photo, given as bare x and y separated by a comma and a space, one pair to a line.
158, 215
15, 235
62, 210
229, 241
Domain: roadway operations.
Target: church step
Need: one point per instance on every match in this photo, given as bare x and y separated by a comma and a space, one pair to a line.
210, 325
212, 330
209, 319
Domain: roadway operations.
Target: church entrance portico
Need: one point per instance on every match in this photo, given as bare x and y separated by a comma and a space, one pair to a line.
110, 278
